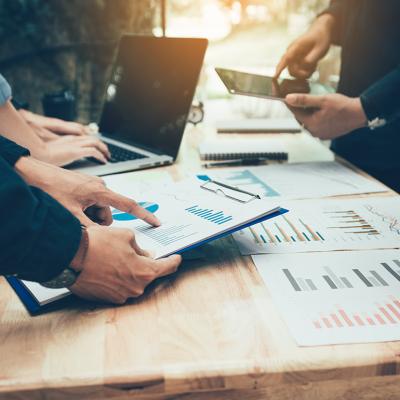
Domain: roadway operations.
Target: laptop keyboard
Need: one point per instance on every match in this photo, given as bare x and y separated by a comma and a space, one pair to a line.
119, 154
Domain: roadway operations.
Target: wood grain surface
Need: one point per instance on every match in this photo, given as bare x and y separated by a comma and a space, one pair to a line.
208, 332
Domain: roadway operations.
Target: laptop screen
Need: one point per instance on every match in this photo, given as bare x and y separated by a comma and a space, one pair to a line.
151, 90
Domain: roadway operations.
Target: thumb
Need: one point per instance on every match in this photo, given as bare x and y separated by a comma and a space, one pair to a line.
304, 100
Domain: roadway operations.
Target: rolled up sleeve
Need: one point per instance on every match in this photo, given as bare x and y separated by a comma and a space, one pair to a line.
5, 91
337, 9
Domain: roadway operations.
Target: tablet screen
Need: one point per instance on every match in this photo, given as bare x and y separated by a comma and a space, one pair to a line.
265, 86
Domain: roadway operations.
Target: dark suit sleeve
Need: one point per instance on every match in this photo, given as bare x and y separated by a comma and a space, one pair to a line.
337, 9
382, 99
10, 151
38, 236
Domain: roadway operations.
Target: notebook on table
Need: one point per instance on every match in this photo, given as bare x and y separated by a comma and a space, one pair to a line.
259, 125
224, 150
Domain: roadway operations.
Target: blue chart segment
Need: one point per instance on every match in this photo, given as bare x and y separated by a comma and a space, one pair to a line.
123, 216
217, 217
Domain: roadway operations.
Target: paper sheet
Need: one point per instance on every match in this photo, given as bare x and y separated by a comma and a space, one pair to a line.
324, 225
299, 181
336, 298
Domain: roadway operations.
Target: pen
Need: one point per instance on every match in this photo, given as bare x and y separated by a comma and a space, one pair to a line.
239, 162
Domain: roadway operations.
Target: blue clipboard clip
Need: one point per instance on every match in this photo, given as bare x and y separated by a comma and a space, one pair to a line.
231, 192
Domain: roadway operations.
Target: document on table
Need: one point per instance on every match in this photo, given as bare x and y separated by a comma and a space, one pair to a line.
191, 215
336, 298
324, 225
299, 181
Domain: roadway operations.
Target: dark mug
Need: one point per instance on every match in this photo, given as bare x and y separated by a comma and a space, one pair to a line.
60, 105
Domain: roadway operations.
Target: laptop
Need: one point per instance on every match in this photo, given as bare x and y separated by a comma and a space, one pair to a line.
147, 102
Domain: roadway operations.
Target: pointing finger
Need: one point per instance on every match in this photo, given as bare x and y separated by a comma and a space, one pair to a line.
283, 63
129, 206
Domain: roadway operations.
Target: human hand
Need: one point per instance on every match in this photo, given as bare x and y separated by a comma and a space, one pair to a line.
67, 149
54, 125
85, 196
116, 269
43, 133
329, 116
303, 54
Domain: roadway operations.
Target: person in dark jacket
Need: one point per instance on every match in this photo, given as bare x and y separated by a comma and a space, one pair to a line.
363, 118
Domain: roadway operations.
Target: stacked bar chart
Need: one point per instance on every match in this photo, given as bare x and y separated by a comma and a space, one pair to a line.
350, 223
336, 297
331, 225
217, 217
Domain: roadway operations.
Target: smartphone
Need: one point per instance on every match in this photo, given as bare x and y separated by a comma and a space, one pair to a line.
267, 87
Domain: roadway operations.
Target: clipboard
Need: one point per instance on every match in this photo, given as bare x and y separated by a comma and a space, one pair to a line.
35, 307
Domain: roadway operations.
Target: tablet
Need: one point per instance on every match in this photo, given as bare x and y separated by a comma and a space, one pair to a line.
267, 87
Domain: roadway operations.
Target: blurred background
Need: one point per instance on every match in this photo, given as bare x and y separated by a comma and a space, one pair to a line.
48, 46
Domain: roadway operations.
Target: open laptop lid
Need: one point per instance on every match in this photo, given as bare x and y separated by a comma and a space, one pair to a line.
151, 90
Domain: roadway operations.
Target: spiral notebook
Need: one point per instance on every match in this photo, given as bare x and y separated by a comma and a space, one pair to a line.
223, 150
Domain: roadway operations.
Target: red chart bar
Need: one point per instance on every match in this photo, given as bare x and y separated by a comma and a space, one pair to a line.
327, 322
317, 325
393, 310
370, 321
359, 320
349, 322
387, 315
337, 321
380, 319
397, 302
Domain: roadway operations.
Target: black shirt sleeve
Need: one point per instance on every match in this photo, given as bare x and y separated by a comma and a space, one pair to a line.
382, 99
10, 151
337, 9
38, 236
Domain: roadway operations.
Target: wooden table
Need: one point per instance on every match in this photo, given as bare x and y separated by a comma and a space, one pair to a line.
210, 331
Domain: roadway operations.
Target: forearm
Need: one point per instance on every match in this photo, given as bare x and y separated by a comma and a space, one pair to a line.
335, 13
13, 127
39, 237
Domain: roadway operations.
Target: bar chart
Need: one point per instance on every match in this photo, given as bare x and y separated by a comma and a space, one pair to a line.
330, 280
298, 180
216, 217
336, 297
386, 313
325, 226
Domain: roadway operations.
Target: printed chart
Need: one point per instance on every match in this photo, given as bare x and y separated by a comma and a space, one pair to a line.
326, 225
336, 298
189, 216
298, 181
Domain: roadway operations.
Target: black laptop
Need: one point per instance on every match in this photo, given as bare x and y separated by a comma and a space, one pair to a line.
147, 102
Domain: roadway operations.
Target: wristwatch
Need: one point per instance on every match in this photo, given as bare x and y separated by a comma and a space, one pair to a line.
66, 279
70, 274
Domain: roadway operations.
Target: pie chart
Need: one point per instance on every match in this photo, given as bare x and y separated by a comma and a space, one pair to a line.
123, 216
